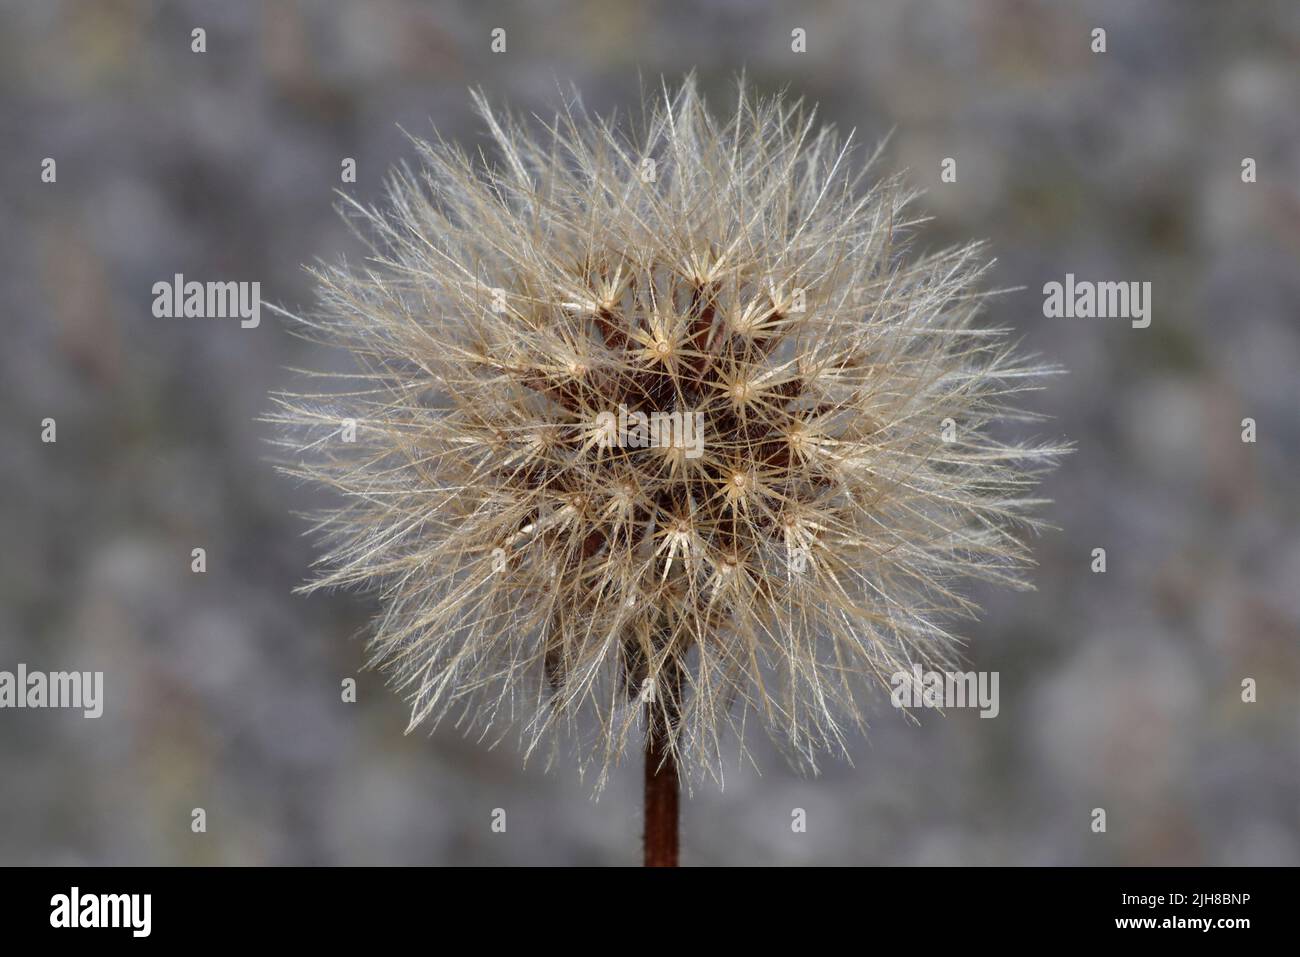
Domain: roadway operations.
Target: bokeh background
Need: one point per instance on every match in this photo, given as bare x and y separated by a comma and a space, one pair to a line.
1119, 690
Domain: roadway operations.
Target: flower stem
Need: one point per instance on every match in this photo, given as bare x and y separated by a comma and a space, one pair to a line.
661, 793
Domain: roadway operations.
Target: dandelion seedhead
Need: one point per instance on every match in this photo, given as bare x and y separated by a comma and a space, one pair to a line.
661, 425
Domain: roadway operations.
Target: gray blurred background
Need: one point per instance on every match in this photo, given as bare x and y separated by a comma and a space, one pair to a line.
1119, 691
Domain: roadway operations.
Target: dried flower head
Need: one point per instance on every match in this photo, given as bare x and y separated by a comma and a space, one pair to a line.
661, 423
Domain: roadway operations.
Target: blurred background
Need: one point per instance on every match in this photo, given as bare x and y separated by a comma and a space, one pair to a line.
1120, 691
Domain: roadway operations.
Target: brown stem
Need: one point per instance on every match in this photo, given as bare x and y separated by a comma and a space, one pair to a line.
661, 793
